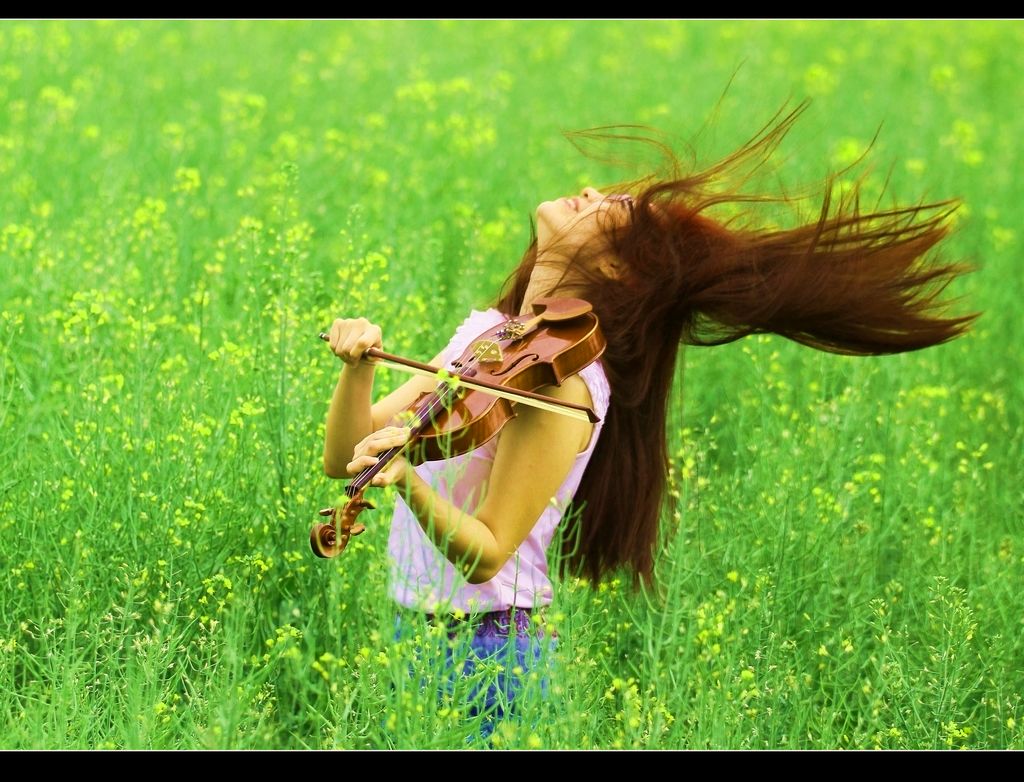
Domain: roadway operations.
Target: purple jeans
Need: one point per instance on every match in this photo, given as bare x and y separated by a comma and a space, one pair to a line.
494, 640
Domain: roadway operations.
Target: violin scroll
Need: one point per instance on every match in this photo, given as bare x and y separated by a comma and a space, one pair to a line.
329, 540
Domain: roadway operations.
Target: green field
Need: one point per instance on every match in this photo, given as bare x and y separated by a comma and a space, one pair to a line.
187, 204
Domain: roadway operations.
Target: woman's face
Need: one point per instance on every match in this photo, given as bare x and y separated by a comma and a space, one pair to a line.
565, 225
571, 222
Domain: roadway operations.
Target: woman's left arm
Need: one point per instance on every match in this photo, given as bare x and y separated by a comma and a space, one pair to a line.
535, 452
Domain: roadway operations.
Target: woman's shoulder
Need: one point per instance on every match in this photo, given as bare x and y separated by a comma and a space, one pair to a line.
491, 313
480, 320
472, 326
594, 376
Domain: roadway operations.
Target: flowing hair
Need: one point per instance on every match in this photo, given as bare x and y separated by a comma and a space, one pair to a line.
848, 282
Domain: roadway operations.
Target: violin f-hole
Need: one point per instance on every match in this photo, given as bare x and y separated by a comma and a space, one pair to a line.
516, 363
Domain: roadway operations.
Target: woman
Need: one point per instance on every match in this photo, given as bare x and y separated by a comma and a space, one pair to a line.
659, 271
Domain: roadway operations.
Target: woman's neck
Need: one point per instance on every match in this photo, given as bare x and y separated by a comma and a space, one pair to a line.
547, 279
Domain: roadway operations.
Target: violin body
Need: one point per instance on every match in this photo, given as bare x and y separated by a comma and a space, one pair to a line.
520, 355
541, 358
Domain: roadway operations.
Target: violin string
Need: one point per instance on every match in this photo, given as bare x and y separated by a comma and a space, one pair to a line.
462, 371
432, 405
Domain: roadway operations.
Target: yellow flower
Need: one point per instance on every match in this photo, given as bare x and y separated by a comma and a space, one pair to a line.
186, 180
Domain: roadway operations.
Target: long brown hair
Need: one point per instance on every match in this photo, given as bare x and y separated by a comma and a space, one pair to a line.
848, 282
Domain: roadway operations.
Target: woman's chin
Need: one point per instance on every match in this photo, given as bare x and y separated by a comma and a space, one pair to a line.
550, 221
551, 214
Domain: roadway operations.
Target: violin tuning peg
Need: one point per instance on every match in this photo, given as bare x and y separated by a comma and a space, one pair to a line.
357, 529
326, 512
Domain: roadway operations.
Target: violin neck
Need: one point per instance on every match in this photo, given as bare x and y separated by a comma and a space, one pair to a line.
433, 403
362, 480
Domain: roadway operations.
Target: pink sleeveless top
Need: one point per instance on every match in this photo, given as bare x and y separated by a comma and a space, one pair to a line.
421, 577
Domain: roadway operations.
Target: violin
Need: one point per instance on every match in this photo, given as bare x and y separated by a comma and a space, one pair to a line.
474, 398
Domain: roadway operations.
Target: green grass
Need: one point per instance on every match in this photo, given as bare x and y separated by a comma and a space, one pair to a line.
186, 204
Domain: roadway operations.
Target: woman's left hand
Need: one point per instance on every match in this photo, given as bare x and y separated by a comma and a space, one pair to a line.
367, 451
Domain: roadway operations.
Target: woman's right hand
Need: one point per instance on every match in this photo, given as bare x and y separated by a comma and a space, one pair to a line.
350, 338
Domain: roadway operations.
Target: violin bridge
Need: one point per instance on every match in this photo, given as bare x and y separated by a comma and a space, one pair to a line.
487, 350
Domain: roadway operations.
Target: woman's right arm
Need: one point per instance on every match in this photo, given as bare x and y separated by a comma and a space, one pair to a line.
351, 416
